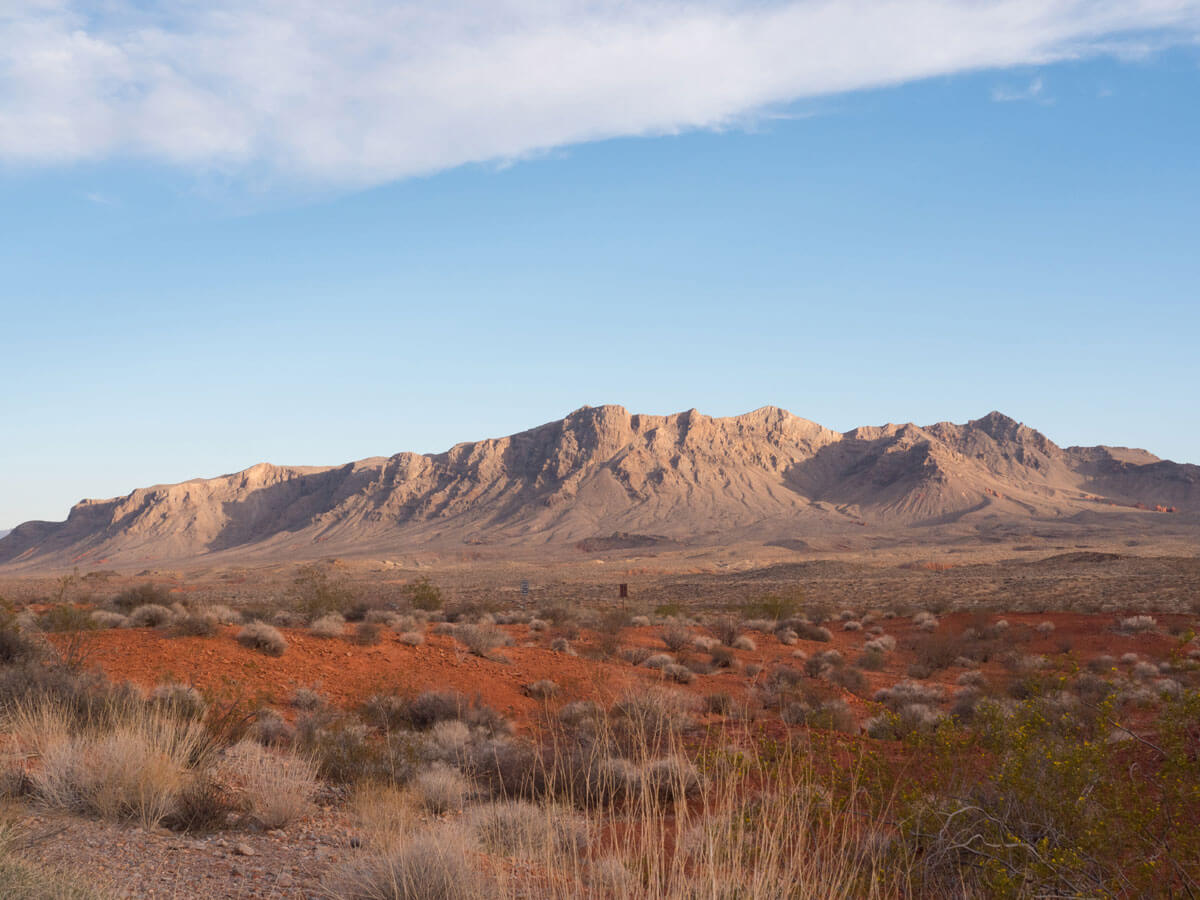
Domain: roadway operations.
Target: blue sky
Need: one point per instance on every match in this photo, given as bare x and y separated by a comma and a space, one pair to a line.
189, 287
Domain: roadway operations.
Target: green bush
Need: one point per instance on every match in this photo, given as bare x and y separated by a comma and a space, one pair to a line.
424, 594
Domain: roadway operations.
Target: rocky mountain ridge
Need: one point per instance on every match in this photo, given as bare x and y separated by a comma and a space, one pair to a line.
602, 472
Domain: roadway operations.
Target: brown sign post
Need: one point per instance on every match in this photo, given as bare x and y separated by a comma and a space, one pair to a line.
624, 590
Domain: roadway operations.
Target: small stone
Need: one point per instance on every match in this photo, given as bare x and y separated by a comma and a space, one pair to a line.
243, 850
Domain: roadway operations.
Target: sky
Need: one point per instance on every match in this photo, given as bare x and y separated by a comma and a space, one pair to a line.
307, 233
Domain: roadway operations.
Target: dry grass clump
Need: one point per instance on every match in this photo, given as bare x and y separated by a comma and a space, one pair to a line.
852, 625
276, 788
130, 768
743, 642
440, 788
262, 637
521, 829
1045, 628
412, 638
328, 626
562, 645
434, 865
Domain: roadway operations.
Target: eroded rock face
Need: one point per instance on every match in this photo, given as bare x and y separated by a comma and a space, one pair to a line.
604, 471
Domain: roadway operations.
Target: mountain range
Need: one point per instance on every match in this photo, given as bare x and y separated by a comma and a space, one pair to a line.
604, 479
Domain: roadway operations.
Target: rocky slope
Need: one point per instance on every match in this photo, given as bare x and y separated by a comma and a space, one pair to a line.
603, 478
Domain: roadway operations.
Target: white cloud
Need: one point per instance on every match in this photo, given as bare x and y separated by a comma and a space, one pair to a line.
365, 91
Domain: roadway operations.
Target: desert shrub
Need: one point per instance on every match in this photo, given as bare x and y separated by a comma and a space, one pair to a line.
440, 788
194, 625
811, 632
636, 655
222, 614
743, 642
723, 658
330, 625
150, 615
906, 720
972, 678
676, 638
936, 651
507, 768
381, 617
925, 621
883, 643
580, 713
851, 679
308, 698
908, 692
65, 618
786, 636
263, 638
871, 660
562, 645
315, 594
105, 618
275, 788
481, 640
424, 594
1045, 628
542, 690
776, 606
140, 595
1022, 828
653, 714
1144, 670
180, 700
678, 673
412, 638
720, 703
726, 629
658, 661
672, 779
16, 646
1137, 624
367, 633
852, 625
271, 729
830, 715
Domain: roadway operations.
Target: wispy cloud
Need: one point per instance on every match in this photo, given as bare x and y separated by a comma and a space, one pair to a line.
360, 92
1035, 90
